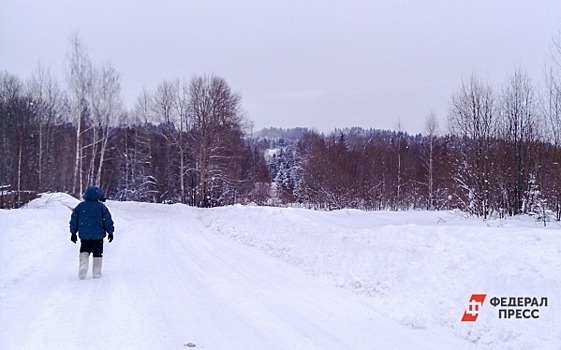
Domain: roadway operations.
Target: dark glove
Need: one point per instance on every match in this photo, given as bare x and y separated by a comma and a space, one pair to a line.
74, 238
110, 237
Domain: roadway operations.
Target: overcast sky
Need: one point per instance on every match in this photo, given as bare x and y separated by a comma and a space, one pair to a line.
320, 64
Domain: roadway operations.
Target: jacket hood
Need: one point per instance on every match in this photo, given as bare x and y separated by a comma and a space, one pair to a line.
93, 193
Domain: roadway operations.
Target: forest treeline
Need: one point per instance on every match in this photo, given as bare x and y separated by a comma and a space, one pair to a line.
188, 141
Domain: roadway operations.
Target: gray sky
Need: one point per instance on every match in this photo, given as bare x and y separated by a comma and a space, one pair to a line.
320, 64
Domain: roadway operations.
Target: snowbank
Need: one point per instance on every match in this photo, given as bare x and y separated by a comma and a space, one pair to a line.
419, 268
29, 235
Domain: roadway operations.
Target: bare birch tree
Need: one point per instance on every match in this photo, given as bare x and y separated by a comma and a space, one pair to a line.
551, 107
79, 83
519, 127
216, 121
49, 103
182, 111
106, 109
552, 100
164, 100
431, 130
472, 118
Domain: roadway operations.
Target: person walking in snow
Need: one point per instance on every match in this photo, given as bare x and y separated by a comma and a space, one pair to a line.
91, 220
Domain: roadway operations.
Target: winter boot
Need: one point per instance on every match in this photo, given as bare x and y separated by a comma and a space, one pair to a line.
84, 262
97, 267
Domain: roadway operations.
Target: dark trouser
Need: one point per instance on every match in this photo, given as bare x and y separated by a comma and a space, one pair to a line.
94, 246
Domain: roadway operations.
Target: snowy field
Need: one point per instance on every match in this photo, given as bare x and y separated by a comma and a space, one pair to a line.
269, 278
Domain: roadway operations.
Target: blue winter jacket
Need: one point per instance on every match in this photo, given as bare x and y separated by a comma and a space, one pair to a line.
91, 218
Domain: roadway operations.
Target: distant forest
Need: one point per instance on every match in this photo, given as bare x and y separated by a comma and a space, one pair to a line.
190, 142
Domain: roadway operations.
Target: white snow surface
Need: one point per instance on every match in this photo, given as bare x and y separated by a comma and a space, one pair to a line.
246, 277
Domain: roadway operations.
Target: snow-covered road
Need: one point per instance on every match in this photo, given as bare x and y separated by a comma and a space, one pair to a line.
169, 281
271, 278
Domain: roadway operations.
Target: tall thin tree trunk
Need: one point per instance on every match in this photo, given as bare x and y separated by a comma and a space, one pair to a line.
182, 166
20, 156
102, 155
40, 156
78, 160
431, 175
